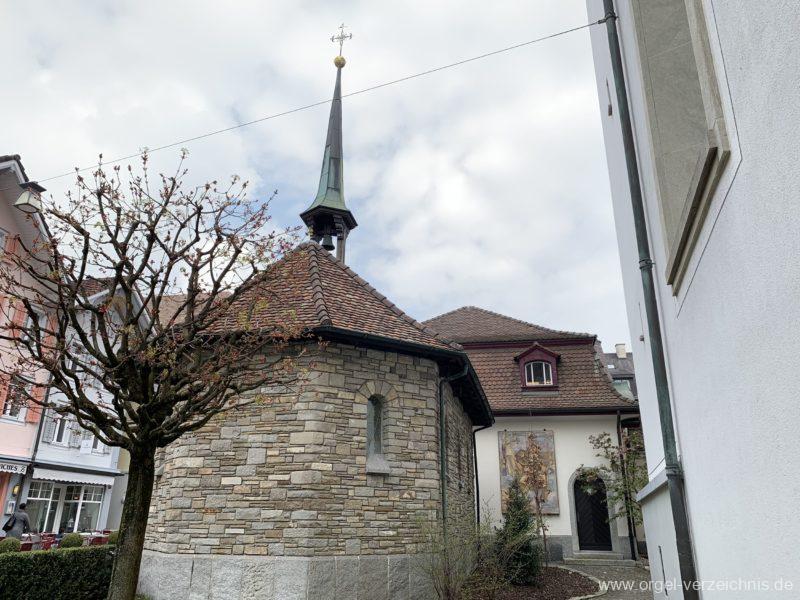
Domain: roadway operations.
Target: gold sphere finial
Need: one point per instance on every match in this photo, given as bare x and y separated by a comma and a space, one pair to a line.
339, 61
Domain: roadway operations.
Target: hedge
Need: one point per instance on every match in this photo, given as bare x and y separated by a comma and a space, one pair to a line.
64, 574
71, 540
9, 544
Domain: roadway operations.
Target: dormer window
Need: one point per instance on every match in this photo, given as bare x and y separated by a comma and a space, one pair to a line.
538, 372
538, 368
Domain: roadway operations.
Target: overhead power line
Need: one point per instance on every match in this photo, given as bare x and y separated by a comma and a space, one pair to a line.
327, 101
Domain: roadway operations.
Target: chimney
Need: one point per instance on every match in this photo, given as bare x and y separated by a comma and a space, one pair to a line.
621, 352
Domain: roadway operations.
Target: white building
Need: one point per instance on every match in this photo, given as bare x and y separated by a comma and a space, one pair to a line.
714, 95
549, 388
76, 480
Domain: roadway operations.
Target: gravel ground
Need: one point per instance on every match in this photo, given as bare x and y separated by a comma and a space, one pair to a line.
631, 575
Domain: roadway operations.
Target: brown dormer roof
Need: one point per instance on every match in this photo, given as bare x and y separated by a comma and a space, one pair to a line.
494, 342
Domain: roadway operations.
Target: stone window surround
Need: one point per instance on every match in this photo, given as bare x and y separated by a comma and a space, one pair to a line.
711, 160
377, 464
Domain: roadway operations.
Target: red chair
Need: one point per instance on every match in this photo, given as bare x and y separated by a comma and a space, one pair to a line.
98, 540
47, 543
25, 546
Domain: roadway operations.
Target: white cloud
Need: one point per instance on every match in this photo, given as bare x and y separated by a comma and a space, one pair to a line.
483, 184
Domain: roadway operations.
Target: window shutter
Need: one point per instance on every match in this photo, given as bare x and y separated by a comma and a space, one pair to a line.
75, 435
49, 431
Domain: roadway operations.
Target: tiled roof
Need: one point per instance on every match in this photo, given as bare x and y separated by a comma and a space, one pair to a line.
94, 285
582, 381
492, 342
473, 324
309, 288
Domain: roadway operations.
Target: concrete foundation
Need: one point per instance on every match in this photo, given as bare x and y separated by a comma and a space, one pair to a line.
378, 577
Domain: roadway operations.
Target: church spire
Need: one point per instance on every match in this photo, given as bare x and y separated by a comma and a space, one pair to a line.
328, 215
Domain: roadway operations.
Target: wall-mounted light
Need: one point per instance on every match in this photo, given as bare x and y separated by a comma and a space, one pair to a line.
30, 200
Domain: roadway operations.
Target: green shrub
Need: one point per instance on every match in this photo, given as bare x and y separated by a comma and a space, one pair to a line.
113, 537
519, 540
66, 574
9, 544
71, 540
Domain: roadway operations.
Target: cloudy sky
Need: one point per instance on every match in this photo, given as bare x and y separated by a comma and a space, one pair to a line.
483, 184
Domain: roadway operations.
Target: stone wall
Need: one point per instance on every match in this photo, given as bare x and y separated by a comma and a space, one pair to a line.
287, 476
460, 467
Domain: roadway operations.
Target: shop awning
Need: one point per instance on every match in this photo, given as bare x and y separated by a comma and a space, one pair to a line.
72, 477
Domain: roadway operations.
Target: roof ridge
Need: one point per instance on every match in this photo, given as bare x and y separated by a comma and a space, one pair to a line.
526, 323
320, 307
385, 301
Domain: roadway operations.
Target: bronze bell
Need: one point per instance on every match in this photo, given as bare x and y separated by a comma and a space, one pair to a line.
327, 242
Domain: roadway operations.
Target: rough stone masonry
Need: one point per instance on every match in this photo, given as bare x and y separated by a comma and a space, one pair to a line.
274, 500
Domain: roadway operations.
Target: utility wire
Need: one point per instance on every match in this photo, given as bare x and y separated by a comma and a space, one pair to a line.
327, 101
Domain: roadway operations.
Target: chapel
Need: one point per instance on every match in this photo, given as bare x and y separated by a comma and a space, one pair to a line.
331, 487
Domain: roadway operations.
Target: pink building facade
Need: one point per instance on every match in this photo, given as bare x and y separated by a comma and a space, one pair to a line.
19, 424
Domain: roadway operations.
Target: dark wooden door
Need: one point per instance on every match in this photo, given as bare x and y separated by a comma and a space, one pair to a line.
591, 510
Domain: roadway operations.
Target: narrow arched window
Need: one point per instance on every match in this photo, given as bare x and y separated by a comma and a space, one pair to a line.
374, 426
376, 462
538, 372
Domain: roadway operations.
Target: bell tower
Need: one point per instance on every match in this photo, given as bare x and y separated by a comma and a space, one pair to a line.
328, 216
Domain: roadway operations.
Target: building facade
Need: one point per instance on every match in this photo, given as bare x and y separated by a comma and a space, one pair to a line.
549, 388
334, 484
621, 368
713, 95
70, 481
19, 423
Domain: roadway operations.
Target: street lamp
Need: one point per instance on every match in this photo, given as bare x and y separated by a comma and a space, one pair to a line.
30, 200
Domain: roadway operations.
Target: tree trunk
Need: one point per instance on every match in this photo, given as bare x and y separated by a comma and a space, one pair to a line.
125, 574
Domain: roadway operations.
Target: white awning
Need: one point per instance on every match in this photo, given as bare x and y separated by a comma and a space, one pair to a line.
72, 477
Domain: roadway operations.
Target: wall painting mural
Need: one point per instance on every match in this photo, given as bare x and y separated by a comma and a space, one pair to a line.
517, 453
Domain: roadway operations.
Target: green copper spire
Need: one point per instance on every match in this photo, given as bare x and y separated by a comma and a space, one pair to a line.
331, 179
328, 215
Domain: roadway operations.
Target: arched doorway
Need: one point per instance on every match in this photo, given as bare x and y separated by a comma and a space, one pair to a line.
591, 513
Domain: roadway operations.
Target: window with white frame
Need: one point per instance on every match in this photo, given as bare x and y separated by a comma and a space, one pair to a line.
90, 507
42, 505
61, 430
538, 372
29, 327
15, 401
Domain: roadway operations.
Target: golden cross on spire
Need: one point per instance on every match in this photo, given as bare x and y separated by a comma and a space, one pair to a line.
341, 37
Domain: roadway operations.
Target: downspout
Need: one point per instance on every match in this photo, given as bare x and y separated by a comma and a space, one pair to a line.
443, 442
631, 526
672, 464
477, 484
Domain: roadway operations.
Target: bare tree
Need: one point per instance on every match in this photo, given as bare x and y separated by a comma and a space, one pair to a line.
140, 307
534, 480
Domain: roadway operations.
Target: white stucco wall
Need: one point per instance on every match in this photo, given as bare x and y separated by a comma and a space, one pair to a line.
731, 332
571, 438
